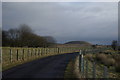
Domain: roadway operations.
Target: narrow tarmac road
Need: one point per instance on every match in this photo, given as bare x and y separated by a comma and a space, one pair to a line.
49, 67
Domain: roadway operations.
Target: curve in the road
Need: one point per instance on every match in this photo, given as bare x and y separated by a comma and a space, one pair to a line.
49, 67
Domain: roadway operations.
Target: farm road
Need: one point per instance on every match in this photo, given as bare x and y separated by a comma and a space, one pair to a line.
49, 67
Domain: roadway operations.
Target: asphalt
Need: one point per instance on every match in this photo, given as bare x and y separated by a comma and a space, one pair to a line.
49, 67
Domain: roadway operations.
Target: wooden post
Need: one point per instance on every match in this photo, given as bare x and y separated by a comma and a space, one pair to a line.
17, 55
10, 55
35, 52
31, 52
58, 50
105, 73
86, 73
46, 50
80, 60
94, 69
41, 51
82, 65
0, 55
23, 54
28, 53
38, 51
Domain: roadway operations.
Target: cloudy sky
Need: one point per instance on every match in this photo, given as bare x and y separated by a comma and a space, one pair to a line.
95, 22
60, 0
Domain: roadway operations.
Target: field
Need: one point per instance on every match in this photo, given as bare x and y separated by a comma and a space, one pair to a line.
14, 56
98, 63
105, 64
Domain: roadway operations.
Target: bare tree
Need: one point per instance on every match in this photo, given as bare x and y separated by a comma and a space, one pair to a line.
24, 37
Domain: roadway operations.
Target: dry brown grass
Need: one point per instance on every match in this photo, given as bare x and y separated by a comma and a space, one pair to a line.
117, 62
116, 57
108, 61
89, 56
105, 59
117, 66
100, 57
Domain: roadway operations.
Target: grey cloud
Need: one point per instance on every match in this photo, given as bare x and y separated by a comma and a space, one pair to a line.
65, 21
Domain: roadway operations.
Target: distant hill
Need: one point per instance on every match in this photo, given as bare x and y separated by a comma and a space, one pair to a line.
75, 44
78, 42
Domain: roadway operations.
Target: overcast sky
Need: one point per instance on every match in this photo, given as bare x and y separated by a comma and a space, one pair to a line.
60, 0
95, 22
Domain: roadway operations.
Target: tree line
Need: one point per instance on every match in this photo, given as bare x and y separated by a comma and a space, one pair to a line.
115, 45
25, 37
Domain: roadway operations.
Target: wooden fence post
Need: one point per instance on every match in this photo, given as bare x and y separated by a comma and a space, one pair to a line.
10, 55
38, 52
82, 65
17, 55
23, 54
94, 69
86, 73
46, 51
0, 55
80, 60
41, 51
58, 50
31, 52
35, 52
105, 73
54, 50
28, 53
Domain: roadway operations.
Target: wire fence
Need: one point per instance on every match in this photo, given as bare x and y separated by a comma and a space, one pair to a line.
13, 55
93, 69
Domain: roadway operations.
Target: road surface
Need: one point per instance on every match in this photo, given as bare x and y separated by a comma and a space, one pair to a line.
49, 67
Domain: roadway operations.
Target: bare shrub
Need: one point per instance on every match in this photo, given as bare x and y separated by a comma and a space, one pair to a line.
105, 59
89, 56
100, 57
116, 57
117, 66
108, 61
117, 62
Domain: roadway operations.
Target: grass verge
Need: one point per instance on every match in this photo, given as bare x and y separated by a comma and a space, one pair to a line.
70, 71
